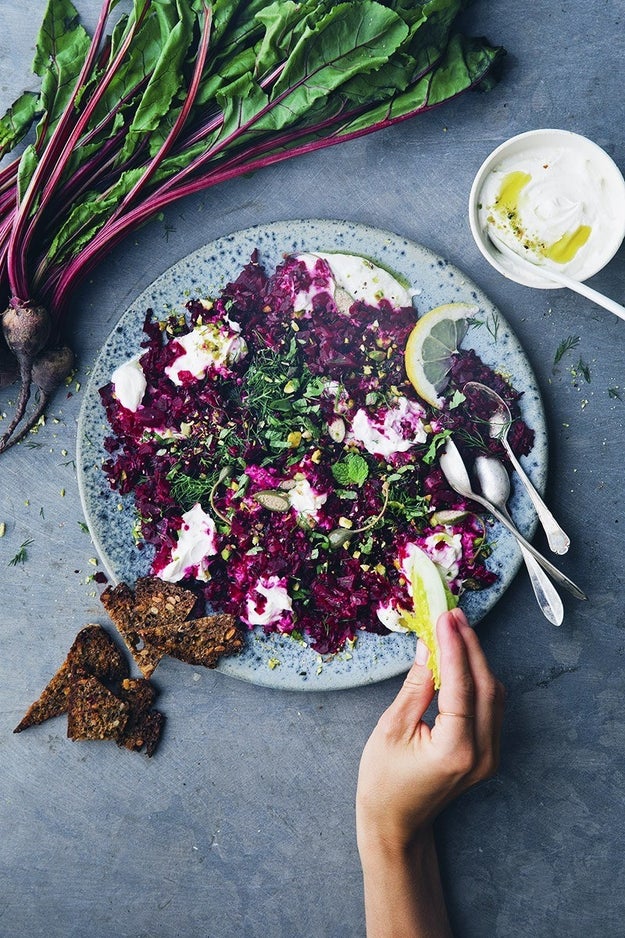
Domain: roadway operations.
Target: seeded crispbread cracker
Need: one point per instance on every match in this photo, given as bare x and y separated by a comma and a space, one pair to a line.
93, 651
158, 601
196, 641
147, 732
51, 703
93, 711
144, 725
101, 701
139, 693
152, 621
119, 602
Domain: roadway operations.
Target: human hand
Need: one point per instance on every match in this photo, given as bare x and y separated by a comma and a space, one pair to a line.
409, 771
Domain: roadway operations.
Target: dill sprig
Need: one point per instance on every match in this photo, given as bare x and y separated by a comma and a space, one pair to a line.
566, 345
407, 506
281, 395
189, 490
22, 555
266, 379
475, 439
583, 369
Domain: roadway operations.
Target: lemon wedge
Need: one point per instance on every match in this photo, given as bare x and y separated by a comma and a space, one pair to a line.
430, 346
430, 597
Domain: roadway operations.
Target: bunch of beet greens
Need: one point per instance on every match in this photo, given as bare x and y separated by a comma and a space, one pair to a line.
173, 97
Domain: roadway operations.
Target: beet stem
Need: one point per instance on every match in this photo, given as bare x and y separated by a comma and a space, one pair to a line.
180, 120
59, 150
20, 407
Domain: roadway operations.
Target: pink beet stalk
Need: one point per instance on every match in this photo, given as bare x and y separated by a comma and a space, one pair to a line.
177, 100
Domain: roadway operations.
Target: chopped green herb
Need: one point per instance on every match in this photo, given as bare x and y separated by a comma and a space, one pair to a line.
188, 491
352, 470
565, 346
615, 393
437, 441
457, 399
22, 555
492, 324
581, 369
406, 507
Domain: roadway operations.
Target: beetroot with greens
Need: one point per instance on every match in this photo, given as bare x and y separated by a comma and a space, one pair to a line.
179, 95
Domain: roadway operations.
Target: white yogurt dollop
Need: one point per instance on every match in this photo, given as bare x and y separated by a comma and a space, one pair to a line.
358, 277
365, 281
270, 603
129, 383
197, 541
207, 346
445, 549
396, 431
552, 204
304, 499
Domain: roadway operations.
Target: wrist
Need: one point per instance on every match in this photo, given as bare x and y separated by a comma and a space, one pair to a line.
391, 833
392, 848
403, 891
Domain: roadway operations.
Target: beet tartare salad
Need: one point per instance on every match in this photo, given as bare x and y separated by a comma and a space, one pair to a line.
282, 464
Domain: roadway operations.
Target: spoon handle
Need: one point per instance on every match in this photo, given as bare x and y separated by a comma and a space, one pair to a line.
553, 572
591, 294
545, 592
555, 276
558, 540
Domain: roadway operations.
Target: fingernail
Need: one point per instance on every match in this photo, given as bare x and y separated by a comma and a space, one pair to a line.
422, 653
458, 617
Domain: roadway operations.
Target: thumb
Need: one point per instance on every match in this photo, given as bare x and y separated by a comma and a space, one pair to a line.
416, 693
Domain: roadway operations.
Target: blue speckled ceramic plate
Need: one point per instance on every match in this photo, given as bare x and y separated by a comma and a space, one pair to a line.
204, 273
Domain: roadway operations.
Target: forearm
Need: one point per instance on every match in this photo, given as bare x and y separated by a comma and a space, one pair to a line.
403, 890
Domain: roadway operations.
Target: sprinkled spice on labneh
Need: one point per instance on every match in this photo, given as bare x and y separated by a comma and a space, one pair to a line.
281, 463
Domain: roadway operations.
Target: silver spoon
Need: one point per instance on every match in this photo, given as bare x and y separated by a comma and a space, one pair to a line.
455, 472
499, 423
554, 276
495, 485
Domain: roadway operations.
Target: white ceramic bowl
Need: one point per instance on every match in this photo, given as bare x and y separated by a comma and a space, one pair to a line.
599, 188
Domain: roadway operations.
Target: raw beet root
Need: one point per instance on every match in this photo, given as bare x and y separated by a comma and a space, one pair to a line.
26, 328
52, 367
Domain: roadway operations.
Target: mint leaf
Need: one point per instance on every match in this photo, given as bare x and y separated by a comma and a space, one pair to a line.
436, 442
352, 470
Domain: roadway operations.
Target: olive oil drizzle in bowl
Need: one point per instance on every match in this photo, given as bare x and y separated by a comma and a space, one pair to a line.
507, 211
556, 200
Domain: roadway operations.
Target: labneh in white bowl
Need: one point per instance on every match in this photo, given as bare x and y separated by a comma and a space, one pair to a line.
556, 199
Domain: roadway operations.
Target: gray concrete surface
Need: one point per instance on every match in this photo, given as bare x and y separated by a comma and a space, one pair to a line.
242, 825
